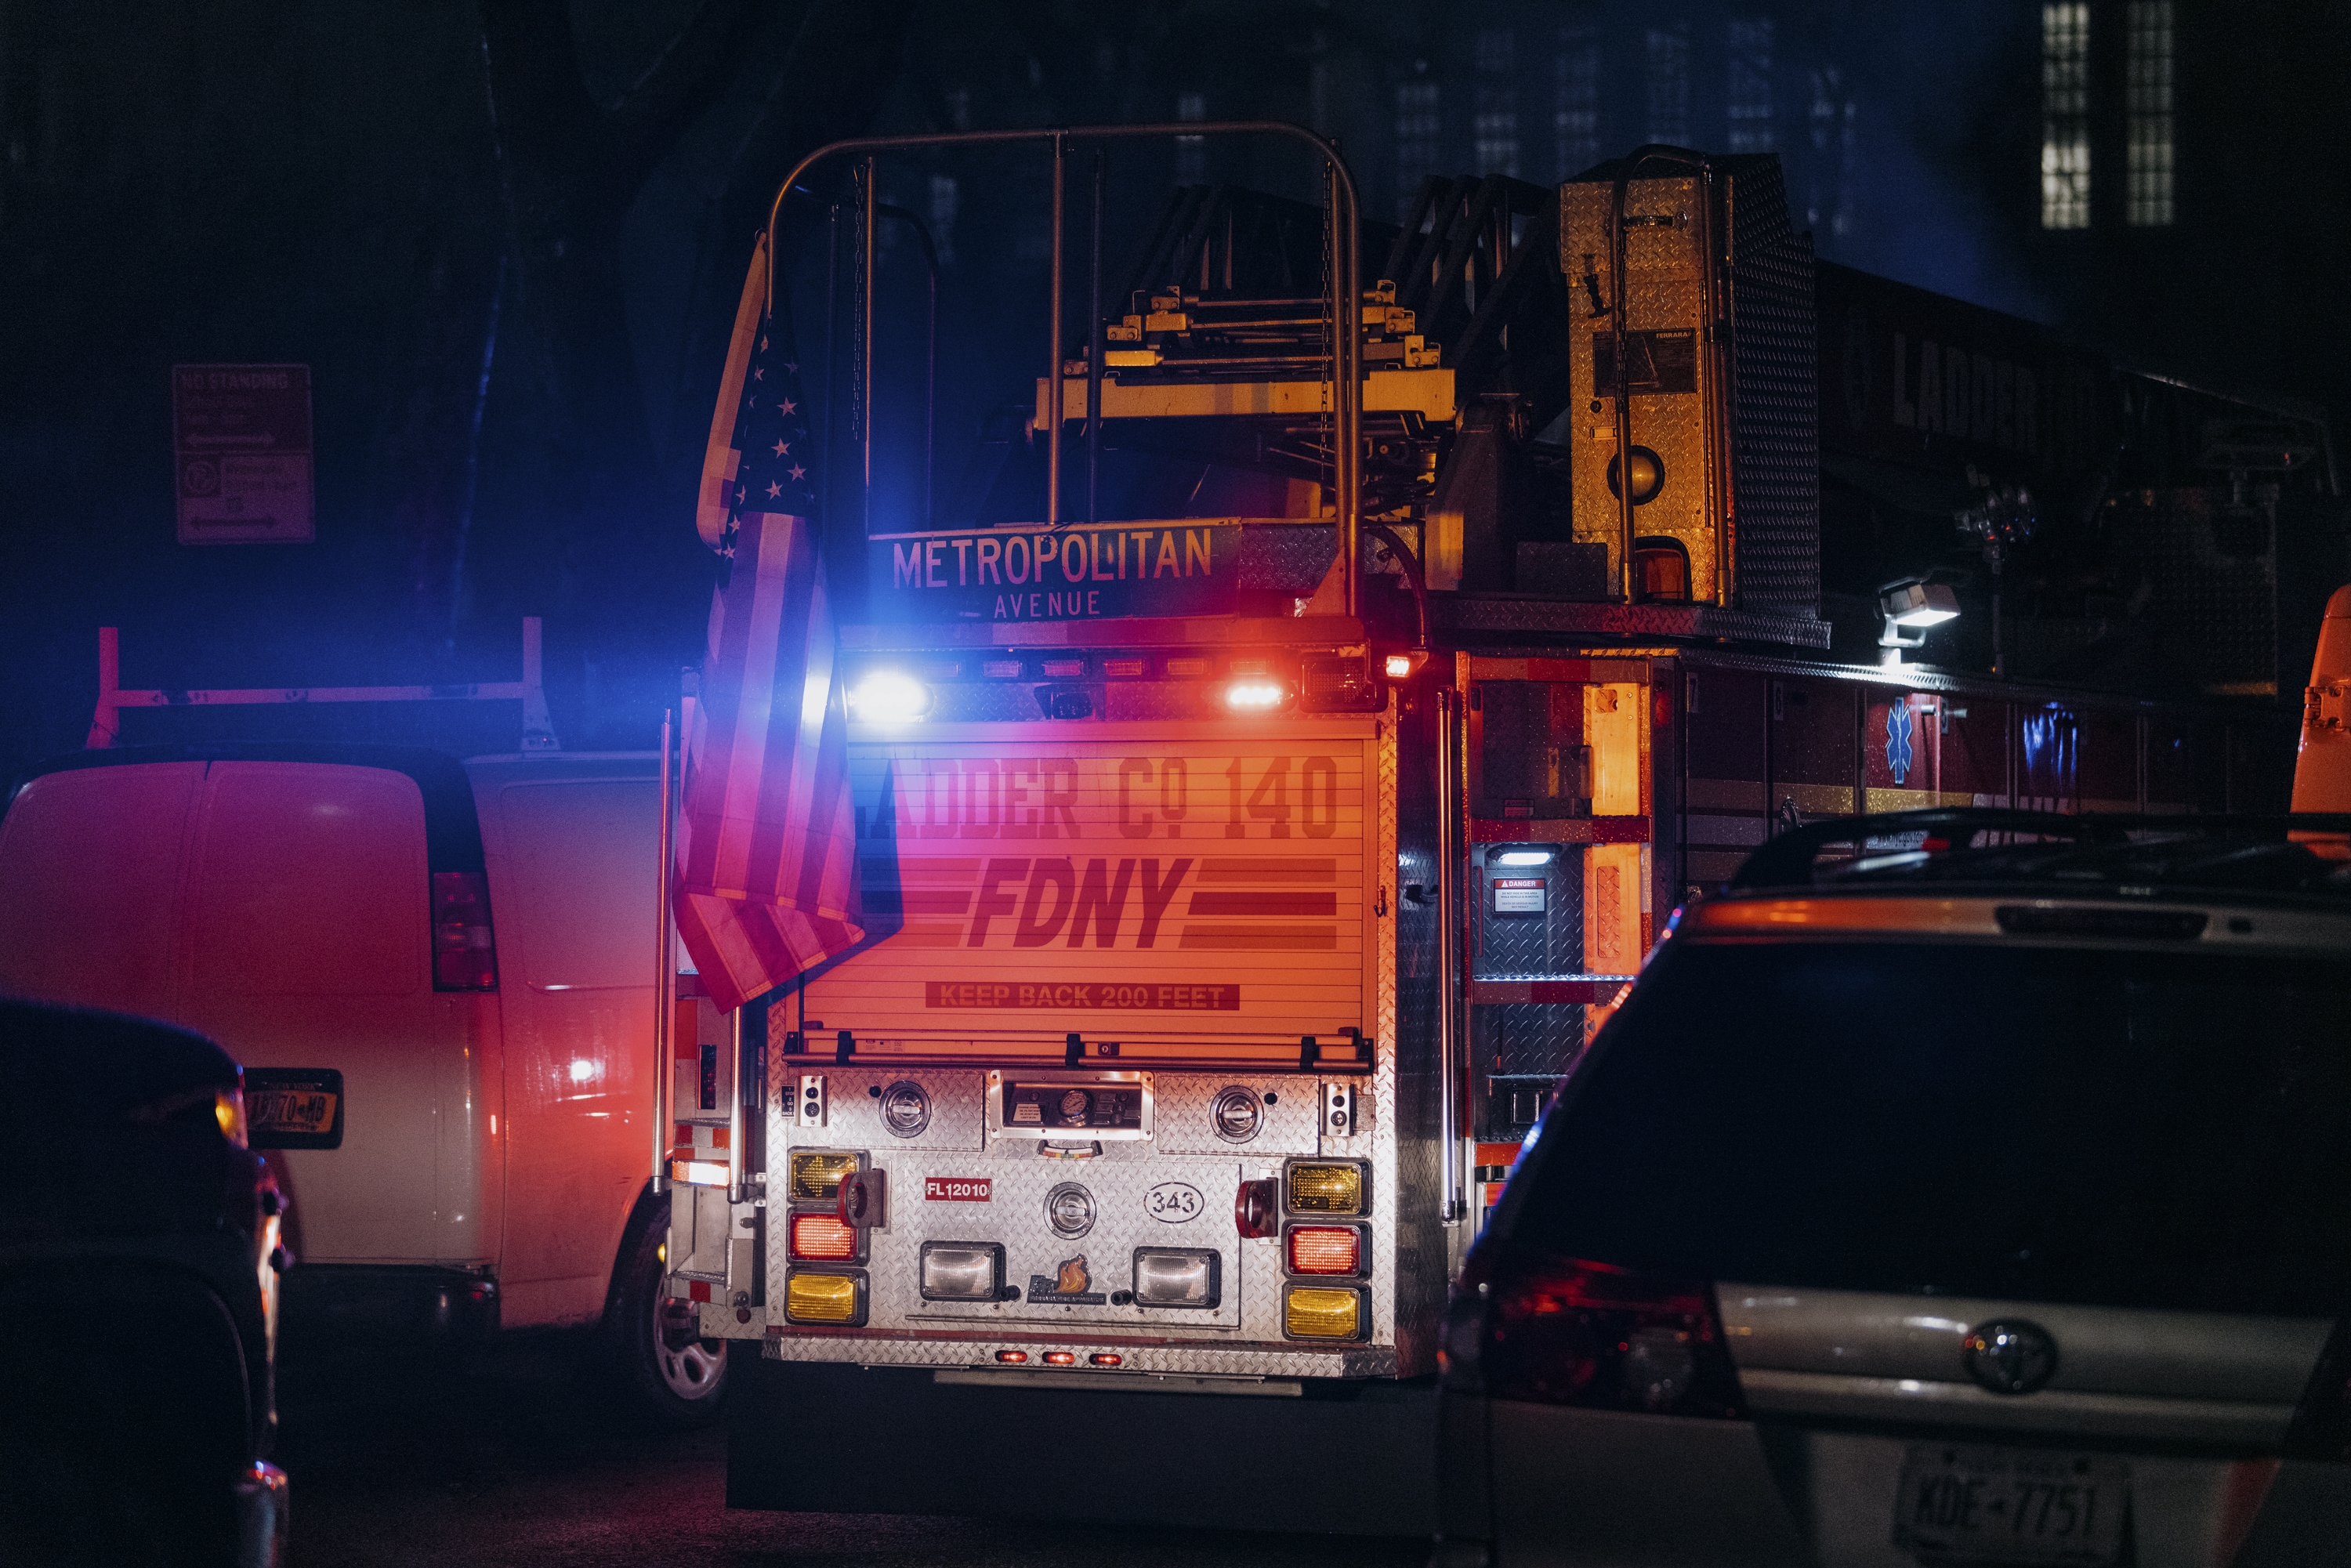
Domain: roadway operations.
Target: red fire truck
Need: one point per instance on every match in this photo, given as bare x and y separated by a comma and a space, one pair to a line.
1247, 842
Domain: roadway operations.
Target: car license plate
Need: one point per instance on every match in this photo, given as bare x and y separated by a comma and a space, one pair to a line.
290, 1110
2011, 1505
294, 1107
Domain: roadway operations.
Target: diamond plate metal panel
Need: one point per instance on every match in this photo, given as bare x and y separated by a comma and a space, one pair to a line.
1515, 946
1186, 1126
1520, 1047
1775, 397
1249, 1360
1290, 560
853, 1105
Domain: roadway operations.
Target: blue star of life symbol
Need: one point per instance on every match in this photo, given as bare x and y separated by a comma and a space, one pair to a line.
1898, 740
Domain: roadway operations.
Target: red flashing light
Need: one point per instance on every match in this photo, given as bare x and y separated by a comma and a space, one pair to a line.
465, 956
1060, 1358
1012, 1357
822, 1238
1102, 1358
1325, 1249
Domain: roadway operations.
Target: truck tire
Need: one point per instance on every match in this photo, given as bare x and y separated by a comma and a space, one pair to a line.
673, 1379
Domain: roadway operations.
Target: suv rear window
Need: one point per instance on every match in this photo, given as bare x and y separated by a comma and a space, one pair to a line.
2111, 1127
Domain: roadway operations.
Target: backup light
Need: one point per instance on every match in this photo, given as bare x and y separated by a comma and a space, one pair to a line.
822, 1238
1331, 1188
1523, 857
889, 696
1326, 1249
962, 1272
824, 1299
816, 1179
698, 1172
1399, 667
1175, 1277
1255, 694
1321, 1312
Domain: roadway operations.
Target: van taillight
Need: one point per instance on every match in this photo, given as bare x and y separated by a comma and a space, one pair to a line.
464, 958
1562, 1331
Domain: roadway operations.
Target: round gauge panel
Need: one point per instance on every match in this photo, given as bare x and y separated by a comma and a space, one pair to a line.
1070, 1210
1237, 1113
1074, 1106
905, 1109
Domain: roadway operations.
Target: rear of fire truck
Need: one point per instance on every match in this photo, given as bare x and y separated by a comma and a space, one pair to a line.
1107, 1156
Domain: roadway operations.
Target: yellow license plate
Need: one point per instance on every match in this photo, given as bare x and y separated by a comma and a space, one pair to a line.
290, 1110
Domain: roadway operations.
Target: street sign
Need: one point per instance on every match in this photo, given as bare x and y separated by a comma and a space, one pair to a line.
241, 453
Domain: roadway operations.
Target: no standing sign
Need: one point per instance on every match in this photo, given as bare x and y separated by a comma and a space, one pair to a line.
241, 449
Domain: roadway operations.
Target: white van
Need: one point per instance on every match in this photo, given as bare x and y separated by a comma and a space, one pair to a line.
448, 967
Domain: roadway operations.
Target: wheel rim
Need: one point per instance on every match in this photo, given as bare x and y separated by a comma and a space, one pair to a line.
693, 1373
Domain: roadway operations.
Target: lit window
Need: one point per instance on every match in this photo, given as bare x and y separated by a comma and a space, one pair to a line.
1669, 93
2148, 105
1575, 101
1191, 151
1750, 97
2066, 115
1494, 113
1418, 126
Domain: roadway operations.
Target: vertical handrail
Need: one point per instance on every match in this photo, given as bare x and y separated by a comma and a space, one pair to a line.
737, 1052
1054, 413
865, 222
1095, 348
1451, 1064
1347, 287
665, 1068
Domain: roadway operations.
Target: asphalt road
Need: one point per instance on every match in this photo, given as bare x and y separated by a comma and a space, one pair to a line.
525, 1461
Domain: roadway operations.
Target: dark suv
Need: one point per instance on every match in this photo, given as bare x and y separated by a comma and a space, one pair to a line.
1962, 1187
138, 1263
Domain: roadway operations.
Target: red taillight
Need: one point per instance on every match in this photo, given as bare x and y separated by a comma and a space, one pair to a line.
1012, 1356
1060, 1358
1256, 1208
1325, 1249
1562, 1331
464, 958
1105, 1359
820, 1238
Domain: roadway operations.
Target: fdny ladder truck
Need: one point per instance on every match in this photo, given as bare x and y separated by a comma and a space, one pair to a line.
1243, 866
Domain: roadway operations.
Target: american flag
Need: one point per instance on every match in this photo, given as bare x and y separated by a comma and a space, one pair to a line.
765, 884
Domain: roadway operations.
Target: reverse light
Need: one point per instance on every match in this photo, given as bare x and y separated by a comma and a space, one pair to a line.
1325, 1249
1326, 1188
961, 1272
698, 1172
1322, 1312
816, 1179
1255, 694
1398, 666
1175, 1277
1521, 857
888, 697
465, 956
838, 1299
822, 1238
1563, 1330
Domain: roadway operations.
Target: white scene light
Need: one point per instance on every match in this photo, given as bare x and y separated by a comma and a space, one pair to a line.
889, 696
